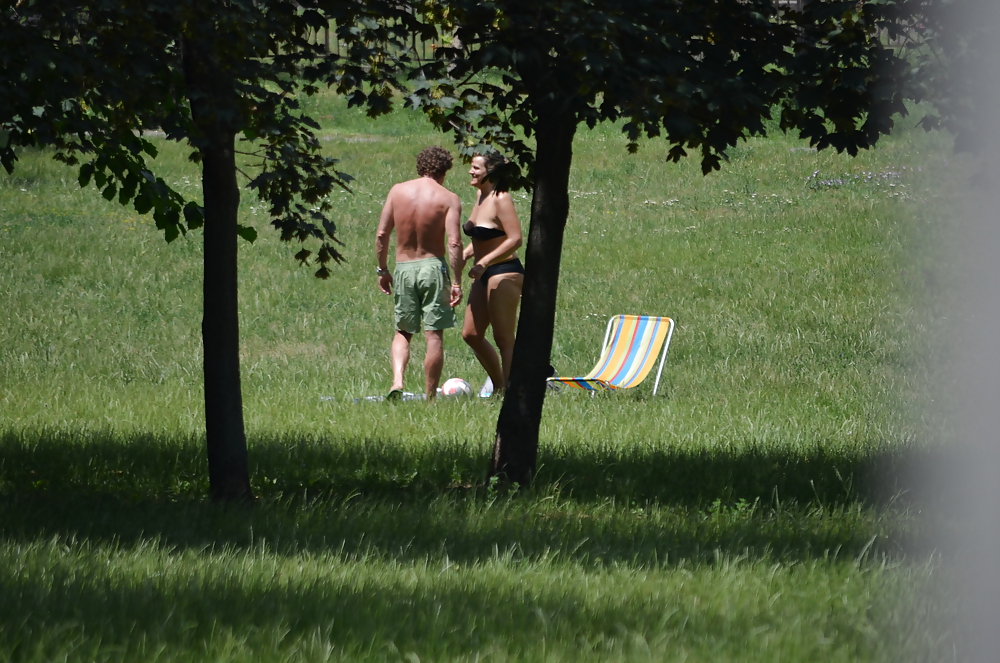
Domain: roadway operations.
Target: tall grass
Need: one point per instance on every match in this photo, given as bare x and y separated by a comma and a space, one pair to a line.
759, 508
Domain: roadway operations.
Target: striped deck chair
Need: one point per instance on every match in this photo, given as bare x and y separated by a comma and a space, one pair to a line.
631, 344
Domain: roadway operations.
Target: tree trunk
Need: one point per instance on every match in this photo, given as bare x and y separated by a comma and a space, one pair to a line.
212, 96
515, 447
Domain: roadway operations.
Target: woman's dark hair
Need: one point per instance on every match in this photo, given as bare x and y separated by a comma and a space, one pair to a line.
497, 170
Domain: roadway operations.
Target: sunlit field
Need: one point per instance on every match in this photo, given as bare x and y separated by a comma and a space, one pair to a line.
758, 508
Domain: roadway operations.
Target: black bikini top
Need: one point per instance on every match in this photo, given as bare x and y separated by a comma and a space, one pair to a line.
482, 232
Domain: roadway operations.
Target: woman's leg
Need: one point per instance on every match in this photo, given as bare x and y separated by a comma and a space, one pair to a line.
503, 297
477, 319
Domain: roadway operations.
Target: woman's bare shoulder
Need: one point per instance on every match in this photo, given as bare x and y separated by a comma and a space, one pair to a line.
503, 202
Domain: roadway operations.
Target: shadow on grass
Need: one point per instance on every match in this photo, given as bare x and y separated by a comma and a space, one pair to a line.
389, 498
168, 466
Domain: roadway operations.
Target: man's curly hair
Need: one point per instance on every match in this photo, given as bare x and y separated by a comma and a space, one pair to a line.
434, 161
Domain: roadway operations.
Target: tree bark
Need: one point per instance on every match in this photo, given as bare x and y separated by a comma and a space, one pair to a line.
212, 96
515, 447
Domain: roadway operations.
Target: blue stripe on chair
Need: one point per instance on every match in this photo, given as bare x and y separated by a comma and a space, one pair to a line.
635, 362
634, 344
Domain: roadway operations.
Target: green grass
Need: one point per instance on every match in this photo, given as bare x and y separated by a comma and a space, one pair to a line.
760, 507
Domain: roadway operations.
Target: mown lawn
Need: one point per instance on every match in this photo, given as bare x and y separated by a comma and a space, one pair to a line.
760, 508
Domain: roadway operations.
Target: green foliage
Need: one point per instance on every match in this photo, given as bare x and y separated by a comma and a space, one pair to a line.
92, 79
701, 74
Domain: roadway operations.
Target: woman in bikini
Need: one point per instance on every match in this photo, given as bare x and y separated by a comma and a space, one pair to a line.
497, 275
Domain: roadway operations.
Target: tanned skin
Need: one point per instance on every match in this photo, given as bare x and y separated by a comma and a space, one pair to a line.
495, 303
423, 214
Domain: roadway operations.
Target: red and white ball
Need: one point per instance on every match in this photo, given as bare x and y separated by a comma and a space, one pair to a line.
456, 387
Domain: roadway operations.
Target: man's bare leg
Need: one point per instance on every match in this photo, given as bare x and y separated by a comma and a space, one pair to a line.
433, 361
400, 357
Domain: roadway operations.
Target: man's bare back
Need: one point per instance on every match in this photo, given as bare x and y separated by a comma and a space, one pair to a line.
420, 211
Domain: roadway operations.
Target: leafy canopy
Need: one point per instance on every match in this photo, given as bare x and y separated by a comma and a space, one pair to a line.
92, 77
700, 73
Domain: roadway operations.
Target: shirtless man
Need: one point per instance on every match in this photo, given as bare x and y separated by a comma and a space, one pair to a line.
422, 212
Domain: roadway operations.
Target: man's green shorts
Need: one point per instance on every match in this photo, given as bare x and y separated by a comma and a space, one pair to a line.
422, 289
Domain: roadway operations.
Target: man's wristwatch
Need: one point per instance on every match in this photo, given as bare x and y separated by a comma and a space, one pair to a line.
381, 271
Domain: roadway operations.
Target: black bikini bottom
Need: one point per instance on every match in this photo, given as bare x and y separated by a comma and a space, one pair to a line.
512, 266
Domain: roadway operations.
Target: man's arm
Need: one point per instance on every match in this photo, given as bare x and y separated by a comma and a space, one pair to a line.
385, 225
452, 223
